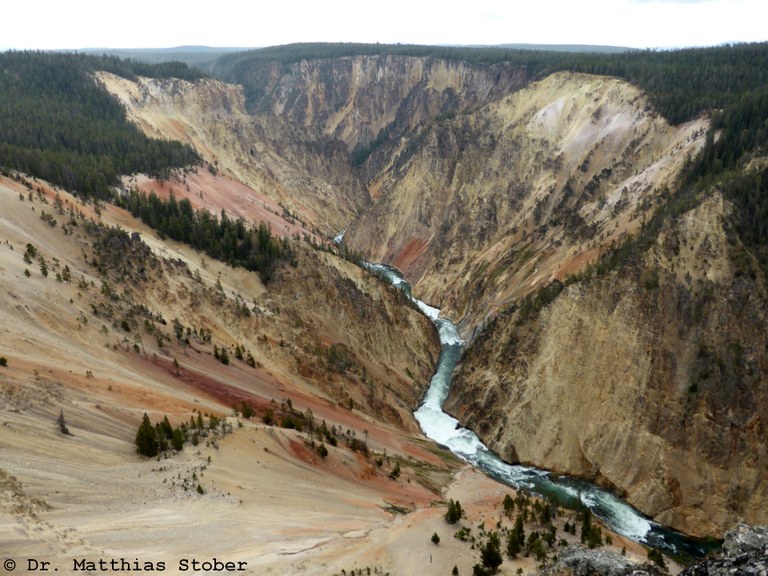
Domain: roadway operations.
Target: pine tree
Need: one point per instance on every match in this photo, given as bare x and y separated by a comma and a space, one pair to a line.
513, 543
509, 505
491, 554
247, 410
146, 438
322, 450
178, 440
454, 512
167, 428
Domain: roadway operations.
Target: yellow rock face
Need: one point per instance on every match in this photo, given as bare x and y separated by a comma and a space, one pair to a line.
647, 379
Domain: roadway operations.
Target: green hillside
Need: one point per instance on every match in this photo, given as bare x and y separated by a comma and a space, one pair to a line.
57, 123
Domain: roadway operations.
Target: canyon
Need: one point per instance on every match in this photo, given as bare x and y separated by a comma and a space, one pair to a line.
498, 194
502, 193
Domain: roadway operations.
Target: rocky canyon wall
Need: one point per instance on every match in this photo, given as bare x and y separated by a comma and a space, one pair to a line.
650, 379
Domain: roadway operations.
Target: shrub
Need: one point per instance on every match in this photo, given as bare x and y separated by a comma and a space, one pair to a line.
322, 450
454, 512
62, 423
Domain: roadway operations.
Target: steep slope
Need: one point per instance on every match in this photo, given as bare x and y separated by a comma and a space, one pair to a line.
125, 323
650, 378
132, 326
487, 206
308, 175
365, 101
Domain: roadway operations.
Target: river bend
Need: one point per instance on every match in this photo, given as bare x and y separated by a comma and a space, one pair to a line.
446, 430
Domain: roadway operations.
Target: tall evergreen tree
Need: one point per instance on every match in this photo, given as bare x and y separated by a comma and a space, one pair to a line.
146, 438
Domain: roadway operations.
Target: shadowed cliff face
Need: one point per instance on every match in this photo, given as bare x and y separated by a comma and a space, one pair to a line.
650, 379
355, 98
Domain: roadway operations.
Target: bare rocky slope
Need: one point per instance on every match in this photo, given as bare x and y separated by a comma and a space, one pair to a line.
494, 203
650, 379
102, 324
305, 173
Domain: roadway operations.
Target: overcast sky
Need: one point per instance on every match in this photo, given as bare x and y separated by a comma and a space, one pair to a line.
72, 24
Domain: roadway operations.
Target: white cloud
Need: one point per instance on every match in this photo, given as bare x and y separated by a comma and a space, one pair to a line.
671, 1
47, 24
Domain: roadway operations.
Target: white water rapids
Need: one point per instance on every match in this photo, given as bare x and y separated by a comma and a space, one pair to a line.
446, 430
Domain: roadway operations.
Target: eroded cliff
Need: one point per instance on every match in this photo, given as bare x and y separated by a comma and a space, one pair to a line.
650, 378
366, 101
308, 174
491, 204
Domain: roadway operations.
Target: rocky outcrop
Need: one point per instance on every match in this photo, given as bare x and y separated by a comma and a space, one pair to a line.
745, 552
579, 561
649, 379
745, 539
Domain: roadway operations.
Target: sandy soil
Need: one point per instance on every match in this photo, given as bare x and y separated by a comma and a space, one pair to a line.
269, 500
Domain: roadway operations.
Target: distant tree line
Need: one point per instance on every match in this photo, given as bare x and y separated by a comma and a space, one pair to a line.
58, 123
229, 240
681, 83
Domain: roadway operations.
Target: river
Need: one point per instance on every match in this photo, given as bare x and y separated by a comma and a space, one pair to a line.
568, 491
